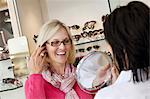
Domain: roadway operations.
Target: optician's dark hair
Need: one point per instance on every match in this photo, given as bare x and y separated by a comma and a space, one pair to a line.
127, 31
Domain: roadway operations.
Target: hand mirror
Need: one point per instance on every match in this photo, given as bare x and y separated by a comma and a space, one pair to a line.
87, 69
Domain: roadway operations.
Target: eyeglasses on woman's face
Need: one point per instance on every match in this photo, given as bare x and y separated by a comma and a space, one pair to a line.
57, 43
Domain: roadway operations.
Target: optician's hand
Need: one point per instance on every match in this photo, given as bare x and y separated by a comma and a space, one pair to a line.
101, 74
37, 61
115, 73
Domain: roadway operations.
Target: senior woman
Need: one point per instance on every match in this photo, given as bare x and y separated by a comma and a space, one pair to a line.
52, 75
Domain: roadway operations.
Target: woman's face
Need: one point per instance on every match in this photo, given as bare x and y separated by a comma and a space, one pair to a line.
59, 46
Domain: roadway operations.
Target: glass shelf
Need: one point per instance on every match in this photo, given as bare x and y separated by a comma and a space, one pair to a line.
88, 42
19, 55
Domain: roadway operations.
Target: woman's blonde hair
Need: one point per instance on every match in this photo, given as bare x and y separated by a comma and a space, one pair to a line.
49, 29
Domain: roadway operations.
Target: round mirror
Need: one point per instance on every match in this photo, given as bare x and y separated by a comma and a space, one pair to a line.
87, 69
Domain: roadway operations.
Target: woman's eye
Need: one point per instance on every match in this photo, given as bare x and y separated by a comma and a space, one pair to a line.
66, 41
56, 42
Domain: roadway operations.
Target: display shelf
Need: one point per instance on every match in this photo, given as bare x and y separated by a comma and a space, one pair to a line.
19, 55
88, 42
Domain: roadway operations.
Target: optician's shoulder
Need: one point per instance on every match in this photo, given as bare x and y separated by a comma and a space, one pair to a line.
125, 90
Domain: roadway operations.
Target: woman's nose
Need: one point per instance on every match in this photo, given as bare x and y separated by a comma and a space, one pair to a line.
62, 46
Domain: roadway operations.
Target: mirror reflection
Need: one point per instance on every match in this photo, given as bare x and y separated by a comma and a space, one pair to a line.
89, 70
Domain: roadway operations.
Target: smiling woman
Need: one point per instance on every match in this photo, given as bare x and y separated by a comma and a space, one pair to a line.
51, 71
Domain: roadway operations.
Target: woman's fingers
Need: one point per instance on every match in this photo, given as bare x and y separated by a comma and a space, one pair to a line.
37, 60
34, 53
106, 67
102, 71
43, 53
39, 50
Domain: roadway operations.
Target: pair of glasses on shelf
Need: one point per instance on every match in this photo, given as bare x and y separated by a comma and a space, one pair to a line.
95, 47
92, 33
35, 38
12, 81
88, 34
89, 25
10, 84
74, 27
80, 50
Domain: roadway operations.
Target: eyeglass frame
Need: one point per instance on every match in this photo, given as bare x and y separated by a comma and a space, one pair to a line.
85, 34
59, 42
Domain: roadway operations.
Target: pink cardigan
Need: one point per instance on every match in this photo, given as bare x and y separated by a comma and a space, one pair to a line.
37, 88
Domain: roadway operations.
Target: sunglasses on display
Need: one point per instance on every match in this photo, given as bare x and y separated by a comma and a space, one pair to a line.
96, 32
57, 43
76, 37
81, 50
74, 27
10, 84
88, 34
35, 38
89, 25
12, 81
95, 47
9, 80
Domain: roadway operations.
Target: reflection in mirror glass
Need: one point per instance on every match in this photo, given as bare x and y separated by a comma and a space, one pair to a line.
88, 68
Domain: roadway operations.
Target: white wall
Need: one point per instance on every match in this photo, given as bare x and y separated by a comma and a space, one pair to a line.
115, 3
77, 11
31, 19
124, 2
44, 9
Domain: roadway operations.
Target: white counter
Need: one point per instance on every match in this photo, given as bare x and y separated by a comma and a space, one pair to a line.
14, 94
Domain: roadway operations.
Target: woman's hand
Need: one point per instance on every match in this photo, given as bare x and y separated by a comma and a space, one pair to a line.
101, 74
37, 61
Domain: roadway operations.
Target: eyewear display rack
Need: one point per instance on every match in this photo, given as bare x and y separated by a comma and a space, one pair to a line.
88, 38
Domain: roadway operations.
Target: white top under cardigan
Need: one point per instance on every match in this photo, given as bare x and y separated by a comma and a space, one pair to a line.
124, 88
